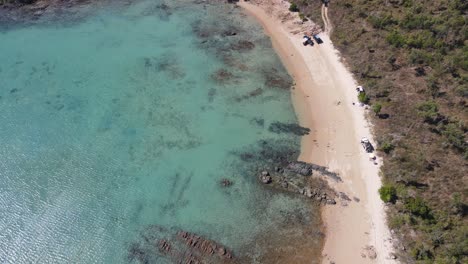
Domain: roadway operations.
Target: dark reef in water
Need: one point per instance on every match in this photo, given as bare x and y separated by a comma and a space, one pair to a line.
177, 246
278, 127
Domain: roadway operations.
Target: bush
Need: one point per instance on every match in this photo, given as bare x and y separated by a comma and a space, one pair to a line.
376, 108
420, 57
412, 21
418, 207
454, 134
382, 22
293, 8
362, 97
388, 193
387, 147
428, 110
396, 39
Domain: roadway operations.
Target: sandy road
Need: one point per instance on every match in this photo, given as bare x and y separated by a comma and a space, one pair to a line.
327, 24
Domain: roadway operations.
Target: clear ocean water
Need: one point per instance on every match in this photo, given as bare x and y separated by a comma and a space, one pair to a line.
128, 119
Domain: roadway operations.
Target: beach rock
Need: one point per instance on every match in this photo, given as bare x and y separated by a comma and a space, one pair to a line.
163, 245
265, 179
243, 45
278, 127
225, 182
274, 79
222, 76
344, 197
279, 169
228, 33
300, 167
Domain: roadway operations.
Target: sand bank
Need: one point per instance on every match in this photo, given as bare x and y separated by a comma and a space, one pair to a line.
323, 98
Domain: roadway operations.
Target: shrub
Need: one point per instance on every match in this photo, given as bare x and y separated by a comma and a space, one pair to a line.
421, 253
376, 108
382, 22
428, 110
397, 220
387, 147
396, 39
418, 207
362, 97
387, 193
420, 57
412, 21
293, 8
454, 134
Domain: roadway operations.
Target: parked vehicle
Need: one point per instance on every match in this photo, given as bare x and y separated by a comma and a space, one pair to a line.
367, 145
317, 39
360, 89
307, 41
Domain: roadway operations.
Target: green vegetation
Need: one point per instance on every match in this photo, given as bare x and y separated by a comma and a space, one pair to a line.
293, 8
418, 207
387, 147
412, 57
362, 97
388, 194
376, 108
429, 111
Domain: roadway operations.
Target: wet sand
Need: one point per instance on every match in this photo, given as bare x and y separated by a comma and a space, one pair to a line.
323, 99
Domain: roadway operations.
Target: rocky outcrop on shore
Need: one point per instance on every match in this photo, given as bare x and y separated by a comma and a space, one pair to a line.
296, 178
275, 166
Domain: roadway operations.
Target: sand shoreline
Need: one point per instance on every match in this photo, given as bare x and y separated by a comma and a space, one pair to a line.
323, 99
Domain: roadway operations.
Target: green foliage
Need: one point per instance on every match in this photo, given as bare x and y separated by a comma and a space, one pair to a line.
429, 111
377, 107
398, 220
454, 134
418, 21
396, 39
293, 8
418, 56
387, 193
420, 40
382, 22
387, 147
362, 97
420, 252
418, 207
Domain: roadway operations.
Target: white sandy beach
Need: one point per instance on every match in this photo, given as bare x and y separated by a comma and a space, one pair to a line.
323, 97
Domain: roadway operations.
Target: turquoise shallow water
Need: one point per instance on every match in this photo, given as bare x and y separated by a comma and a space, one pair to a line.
130, 119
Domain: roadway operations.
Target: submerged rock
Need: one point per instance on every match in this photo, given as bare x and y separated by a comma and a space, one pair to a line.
300, 167
222, 76
243, 45
278, 127
177, 246
225, 182
265, 179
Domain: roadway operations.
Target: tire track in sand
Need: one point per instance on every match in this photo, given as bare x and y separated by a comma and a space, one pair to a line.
326, 21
